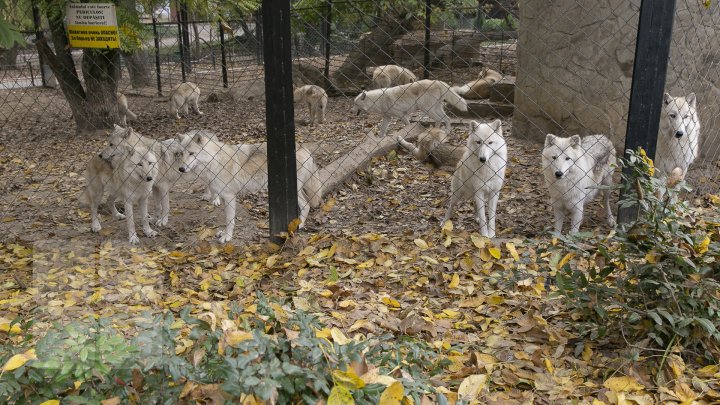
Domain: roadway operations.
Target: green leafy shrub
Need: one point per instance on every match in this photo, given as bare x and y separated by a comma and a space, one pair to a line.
656, 277
279, 355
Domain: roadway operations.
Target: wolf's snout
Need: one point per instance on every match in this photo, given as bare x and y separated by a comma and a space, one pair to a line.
483, 159
182, 169
148, 178
558, 174
679, 134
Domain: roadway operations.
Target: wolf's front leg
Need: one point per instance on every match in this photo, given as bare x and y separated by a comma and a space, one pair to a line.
480, 214
384, 126
113, 209
492, 209
143, 203
559, 218
129, 218
226, 236
576, 217
95, 222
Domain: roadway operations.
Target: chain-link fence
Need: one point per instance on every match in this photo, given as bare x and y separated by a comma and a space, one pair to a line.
403, 109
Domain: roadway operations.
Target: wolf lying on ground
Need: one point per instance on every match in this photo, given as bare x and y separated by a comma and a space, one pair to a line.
431, 147
232, 169
480, 88
401, 101
391, 75
573, 168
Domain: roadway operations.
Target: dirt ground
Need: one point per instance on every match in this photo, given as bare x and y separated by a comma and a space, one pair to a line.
42, 165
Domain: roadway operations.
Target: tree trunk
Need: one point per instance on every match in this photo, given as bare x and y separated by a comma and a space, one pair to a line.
8, 58
100, 69
372, 50
196, 33
139, 68
95, 108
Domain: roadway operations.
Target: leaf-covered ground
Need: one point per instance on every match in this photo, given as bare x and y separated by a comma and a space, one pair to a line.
373, 260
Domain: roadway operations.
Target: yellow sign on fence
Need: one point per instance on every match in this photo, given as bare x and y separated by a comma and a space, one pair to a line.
92, 25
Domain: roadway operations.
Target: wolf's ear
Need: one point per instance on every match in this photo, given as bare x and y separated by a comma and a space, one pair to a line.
363, 95
199, 139
497, 126
667, 98
575, 141
116, 127
691, 99
474, 125
550, 140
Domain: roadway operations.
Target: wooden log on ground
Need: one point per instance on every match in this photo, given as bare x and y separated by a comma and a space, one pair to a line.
341, 169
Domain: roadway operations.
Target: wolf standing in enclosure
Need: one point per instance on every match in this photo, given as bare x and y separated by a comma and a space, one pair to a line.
124, 111
480, 174
316, 99
678, 143
182, 96
131, 178
401, 101
573, 168
391, 75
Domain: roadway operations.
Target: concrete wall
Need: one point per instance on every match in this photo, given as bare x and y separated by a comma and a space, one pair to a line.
575, 62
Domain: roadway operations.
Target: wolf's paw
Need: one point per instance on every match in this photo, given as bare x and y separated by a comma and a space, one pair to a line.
150, 233
162, 221
200, 112
119, 216
133, 240
95, 227
611, 222
216, 201
400, 139
224, 237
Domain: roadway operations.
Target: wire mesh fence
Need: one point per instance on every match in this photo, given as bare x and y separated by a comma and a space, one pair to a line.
404, 110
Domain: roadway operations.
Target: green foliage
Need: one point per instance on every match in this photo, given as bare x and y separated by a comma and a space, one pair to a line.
657, 277
13, 14
281, 356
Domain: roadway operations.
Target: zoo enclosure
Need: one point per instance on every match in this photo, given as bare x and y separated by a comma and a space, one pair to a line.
424, 48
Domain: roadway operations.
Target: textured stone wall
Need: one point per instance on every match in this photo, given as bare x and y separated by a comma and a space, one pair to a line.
575, 62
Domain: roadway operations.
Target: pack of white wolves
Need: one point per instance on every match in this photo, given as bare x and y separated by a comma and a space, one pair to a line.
134, 168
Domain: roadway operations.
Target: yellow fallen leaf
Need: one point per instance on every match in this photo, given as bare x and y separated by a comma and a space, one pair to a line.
348, 379
495, 300
471, 387
565, 260
234, 338
703, 246
51, 402
494, 252
652, 257
111, 401
324, 333
393, 394
329, 204
548, 365
447, 226
19, 360
421, 244
339, 337
455, 282
340, 395
5, 327
622, 384
708, 371
513, 252
271, 260
587, 352
391, 302
478, 241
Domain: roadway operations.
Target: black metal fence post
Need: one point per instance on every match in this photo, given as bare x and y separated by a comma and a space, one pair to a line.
327, 27
180, 40
426, 60
279, 115
156, 39
652, 50
223, 62
185, 38
259, 36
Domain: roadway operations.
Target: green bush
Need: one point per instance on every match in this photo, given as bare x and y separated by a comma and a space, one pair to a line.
655, 278
280, 357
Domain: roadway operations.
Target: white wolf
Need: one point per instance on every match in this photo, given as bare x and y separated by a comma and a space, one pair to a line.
480, 174
127, 173
182, 96
401, 101
169, 154
232, 169
573, 169
391, 75
123, 110
678, 143
316, 99
431, 147
480, 88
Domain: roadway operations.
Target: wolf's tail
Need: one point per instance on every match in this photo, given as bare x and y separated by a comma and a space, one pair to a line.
460, 90
131, 115
453, 97
313, 187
